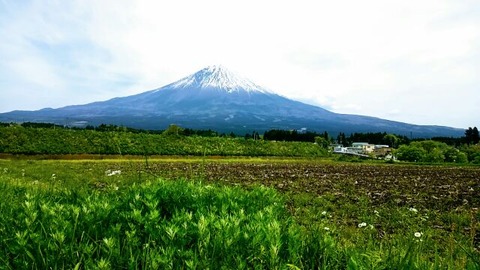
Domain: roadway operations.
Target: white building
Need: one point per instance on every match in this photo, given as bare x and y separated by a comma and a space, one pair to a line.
339, 149
363, 149
366, 148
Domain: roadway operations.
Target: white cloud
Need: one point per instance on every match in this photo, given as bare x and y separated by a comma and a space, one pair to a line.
413, 61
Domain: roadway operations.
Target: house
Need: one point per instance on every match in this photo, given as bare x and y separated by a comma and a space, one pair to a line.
366, 148
302, 131
357, 150
382, 151
339, 148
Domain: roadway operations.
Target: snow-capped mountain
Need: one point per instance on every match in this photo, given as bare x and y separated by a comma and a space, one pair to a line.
217, 77
215, 98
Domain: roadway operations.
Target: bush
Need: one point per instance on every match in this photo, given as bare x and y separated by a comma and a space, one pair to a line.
410, 153
21, 140
430, 151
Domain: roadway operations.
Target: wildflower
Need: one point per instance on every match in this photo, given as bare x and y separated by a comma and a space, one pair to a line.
111, 173
324, 213
326, 228
418, 234
361, 225
54, 176
411, 209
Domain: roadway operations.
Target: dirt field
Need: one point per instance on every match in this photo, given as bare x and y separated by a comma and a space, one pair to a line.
434, 187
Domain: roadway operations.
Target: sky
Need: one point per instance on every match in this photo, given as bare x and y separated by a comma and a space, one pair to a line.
404, 60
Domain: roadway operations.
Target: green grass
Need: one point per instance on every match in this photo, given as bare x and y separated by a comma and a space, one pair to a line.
159, 224
73, 215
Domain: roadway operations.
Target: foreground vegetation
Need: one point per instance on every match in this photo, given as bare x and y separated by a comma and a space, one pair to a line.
284, 214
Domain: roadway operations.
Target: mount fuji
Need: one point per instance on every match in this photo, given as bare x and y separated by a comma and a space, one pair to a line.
215, 98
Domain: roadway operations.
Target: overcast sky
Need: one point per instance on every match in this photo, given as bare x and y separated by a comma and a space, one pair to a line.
415, 61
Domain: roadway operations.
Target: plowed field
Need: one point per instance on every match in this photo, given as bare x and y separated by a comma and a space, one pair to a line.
433, 187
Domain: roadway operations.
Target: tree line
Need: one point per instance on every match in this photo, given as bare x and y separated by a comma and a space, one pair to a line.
50, 140
293, 135
471, 134
45, 138
384, 138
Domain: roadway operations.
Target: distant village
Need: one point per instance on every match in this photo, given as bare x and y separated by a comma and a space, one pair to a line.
365, 150
362, 149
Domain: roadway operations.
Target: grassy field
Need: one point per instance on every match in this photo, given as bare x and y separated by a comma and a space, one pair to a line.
242, 213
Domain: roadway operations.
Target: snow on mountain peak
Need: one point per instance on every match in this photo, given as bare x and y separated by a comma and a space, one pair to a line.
219, 77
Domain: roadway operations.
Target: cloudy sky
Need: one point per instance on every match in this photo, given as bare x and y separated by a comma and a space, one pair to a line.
416, 61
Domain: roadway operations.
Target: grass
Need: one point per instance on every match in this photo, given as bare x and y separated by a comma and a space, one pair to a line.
72, 214
159, 224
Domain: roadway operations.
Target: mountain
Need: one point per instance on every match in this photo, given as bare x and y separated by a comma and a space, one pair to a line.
215, 98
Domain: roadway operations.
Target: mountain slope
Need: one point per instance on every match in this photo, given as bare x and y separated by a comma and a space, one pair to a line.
215, 98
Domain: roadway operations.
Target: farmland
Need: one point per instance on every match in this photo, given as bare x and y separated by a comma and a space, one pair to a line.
238, 213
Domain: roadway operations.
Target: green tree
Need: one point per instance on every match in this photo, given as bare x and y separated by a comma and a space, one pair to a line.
472, 151
455, 155
341, 139
391, 140
434, 150
476, 159
322, 142
475, 135
410, 153
431, 151
472, 136
428, 145
173, 130
435, 155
